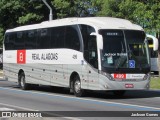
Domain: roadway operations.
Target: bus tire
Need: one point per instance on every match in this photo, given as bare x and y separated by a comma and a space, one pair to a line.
22, 82
78, 92
119, 93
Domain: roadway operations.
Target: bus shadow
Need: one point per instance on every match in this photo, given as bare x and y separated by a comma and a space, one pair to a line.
134, 94
50, 89
101, 94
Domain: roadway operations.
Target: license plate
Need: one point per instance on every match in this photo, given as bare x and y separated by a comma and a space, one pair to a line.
129, 85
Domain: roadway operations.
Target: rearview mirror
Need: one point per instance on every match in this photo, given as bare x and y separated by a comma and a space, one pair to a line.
155, 41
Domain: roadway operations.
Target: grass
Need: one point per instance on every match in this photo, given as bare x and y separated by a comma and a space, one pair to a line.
155, 83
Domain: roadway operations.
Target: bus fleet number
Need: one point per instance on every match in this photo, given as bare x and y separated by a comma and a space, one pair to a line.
120, 76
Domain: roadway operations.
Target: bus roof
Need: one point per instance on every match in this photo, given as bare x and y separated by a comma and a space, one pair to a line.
97, 22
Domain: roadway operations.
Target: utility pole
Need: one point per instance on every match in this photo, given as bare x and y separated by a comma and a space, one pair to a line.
49, 7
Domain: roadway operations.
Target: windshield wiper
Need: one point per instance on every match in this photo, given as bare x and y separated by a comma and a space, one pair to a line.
119, 62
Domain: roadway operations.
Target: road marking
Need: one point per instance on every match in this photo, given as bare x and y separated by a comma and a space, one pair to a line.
108, 103
18, 107
28, 109
24, 108
6, 109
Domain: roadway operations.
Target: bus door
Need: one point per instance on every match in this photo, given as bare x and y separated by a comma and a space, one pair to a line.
93, 78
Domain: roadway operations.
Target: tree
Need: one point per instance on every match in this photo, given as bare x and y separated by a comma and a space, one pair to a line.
14, 13
1, 36
154, 6
75, 8
109, 8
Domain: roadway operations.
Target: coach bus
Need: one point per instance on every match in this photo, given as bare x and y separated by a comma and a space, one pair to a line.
153, 43
92, 53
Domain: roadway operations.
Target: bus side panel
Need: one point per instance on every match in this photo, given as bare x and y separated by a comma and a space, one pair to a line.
154, 65
10, 72
37, 74
57, 77
92, 78
10, 68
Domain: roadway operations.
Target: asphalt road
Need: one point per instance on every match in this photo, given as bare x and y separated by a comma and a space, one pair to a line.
58, 99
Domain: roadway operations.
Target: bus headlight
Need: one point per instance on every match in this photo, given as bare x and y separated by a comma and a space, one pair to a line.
109, 76
146, 76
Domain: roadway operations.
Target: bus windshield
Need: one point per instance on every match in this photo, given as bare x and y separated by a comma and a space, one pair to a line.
124, 49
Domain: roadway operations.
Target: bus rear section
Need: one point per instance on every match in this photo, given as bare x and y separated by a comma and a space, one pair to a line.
153, 42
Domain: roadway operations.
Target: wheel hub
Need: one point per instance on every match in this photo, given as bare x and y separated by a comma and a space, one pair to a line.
22, 81
77, 86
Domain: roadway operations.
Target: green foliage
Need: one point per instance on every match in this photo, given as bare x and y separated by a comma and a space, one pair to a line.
74, 8
29, 18
62, 7
155, 83
14, 13
1, 36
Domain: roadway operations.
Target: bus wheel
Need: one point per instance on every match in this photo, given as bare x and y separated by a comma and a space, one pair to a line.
77, 87
119, 93
22, 83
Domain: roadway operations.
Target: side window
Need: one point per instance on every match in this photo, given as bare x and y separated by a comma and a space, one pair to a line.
92, 51
43, 41
57, 37
20, 40
6, 41
9, 41
31, 39
90, 45
72, 38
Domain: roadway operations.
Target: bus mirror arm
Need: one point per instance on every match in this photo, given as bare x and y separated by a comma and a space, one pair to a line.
93, 34
100, 41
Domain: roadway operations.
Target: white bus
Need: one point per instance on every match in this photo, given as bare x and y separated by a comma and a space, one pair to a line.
153, 44
93, 53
